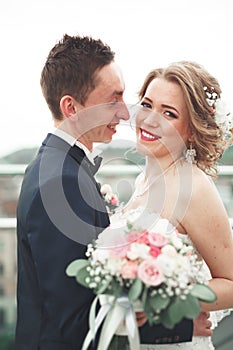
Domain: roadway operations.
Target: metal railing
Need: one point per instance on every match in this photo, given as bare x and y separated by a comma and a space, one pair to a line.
116, 169
107, 170
10, 223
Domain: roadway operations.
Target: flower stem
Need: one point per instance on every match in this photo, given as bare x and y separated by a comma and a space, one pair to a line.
118, 342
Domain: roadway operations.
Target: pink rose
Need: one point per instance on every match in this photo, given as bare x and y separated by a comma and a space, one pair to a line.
114, 200
119, 248
138, 236
143, 239
133, 236
157, 239
149, 272
129, 269
155, 251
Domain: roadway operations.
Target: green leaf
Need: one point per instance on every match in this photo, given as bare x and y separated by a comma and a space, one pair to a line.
135, 290
102, 288
75, 266
144, 294
118, 342
177, 310
203, 293
166, 320
129, 226
191, 306
115, 288
150, 318
146, 303
159, 303
81, 276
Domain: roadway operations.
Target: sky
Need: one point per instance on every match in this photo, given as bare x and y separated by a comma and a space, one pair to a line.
144, 35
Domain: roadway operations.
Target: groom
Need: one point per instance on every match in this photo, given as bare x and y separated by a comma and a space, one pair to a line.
60, 209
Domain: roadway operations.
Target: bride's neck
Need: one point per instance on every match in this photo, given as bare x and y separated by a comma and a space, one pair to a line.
155, 166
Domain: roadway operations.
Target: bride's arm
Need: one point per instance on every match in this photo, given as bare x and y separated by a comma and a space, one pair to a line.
208, 226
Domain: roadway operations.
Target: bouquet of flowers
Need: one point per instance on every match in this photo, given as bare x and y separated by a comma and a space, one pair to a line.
135, 269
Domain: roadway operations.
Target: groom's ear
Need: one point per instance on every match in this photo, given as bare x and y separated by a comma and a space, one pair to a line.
68, 106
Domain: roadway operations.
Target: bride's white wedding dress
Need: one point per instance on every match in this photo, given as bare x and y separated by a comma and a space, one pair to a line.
198, 342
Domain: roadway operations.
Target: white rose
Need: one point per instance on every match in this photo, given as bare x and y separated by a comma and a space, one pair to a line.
114, 265
161, 227
138, 250
169, 250
167, 264
105, 189
100, 255
221, 111
176, 241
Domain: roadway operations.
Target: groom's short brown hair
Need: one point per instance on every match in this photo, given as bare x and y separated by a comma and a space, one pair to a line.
70, 69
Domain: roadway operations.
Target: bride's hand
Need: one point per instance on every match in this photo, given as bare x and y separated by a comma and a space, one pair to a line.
202, 325
141, 318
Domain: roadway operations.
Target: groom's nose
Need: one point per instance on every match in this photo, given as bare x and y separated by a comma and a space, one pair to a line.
122, 111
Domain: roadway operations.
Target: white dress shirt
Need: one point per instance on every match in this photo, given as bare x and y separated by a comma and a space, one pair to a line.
72, 141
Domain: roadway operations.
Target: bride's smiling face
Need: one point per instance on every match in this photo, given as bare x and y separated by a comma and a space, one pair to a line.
162, 124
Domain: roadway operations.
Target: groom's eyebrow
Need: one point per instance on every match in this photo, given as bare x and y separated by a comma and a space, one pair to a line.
118, 93
147, 98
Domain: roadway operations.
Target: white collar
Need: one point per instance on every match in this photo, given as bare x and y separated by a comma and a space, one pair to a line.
72, 141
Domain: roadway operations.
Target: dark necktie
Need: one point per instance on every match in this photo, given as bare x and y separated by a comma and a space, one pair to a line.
79, 155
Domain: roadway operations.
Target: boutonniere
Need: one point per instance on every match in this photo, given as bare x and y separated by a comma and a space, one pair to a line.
111, 199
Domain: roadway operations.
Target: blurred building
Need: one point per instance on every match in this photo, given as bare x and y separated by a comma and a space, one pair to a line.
8, 275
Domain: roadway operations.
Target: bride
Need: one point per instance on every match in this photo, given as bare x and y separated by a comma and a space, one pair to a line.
182, 129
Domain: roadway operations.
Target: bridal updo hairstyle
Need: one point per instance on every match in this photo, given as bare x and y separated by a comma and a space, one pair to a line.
207, 136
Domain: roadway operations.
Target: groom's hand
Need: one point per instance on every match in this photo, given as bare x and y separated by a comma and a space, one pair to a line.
202, 325
141, 318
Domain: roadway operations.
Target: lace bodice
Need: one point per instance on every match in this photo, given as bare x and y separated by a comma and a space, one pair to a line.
215, 316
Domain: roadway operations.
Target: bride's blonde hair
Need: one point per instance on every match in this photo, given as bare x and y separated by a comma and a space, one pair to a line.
207, 136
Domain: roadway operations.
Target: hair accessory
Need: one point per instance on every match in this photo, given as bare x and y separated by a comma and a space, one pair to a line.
190, 154
220, 112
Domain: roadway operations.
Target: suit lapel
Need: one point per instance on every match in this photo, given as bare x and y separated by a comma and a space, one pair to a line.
74, 151
79, 156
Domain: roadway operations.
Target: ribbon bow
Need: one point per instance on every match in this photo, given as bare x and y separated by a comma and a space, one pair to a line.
113, 311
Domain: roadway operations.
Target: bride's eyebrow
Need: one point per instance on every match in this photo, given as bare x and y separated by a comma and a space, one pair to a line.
170, 107
163, 105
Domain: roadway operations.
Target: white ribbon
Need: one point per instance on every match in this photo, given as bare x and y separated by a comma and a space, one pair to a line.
113, 311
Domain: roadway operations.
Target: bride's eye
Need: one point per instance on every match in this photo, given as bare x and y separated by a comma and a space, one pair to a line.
170, 114
146, 104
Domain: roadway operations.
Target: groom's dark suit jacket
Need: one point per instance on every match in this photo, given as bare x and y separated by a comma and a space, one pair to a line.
60, 211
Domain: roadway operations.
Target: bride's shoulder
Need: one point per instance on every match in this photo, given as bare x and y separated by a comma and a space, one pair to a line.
202, 184
200, 177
